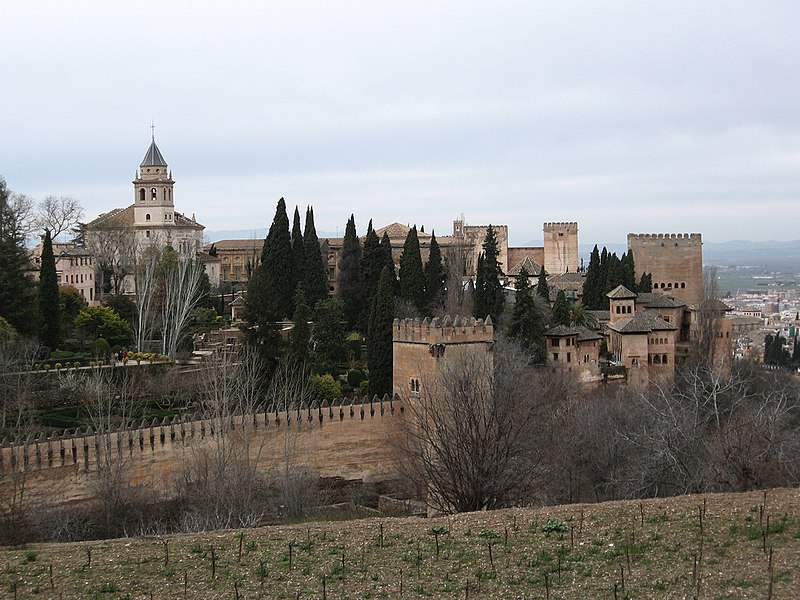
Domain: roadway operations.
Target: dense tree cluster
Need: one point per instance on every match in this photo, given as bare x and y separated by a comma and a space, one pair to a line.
488, 298
605, 272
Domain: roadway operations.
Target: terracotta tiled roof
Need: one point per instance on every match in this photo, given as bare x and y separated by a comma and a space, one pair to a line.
655, 300
531, 266
249, 244
582, 333
641, 323
621, 293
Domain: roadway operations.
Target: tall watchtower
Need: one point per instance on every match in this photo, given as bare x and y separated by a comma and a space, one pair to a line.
674, 260
153, 203
561, 248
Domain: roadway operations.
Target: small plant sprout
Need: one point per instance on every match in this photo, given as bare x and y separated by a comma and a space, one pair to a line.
489, 536
436, 531
554, 526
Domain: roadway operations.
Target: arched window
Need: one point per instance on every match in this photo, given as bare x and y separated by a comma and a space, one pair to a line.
141, 195
153, 194
147, 217
683, 285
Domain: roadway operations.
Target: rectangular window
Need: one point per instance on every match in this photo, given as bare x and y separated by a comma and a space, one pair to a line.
555, 356
569, 357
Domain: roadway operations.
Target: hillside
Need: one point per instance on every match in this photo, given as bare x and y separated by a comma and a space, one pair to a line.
648, 549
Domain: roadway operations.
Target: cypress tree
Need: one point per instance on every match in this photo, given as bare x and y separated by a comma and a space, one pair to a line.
16, 289
49, 301
628, 271
372, 263
645, 284
379, 338
412, 279
301, 333
527, 324
434, 276
561, 314
479, 291
278, 262
349, 279
315, 275
613, 277
592, 283
388, 262
298, 252
493, 294
542, 288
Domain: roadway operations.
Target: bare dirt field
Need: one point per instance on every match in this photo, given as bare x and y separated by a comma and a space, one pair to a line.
711, 546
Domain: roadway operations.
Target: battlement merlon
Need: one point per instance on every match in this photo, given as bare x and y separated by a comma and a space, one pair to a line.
571, 226
685, 238
457, 330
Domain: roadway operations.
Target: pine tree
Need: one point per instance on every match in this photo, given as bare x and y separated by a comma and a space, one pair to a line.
349, 279
278, 262
379, 337
315, 275
561, 313
479, 291
542, 288
298, 252
434, 276
493, 294
49, 301
412, 279
372, 263
16, 289
527, 324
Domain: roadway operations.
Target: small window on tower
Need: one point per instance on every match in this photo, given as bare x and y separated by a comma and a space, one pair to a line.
147, 217
153, 194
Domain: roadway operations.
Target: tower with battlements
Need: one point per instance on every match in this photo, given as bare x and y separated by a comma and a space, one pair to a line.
561, 248
674, 260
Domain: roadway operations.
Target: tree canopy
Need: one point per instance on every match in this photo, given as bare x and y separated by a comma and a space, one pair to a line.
349, 277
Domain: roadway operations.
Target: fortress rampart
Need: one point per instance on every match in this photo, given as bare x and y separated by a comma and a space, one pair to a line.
346, 439
561, 247
420, 346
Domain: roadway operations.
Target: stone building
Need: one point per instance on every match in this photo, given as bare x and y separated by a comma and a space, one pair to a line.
152, 219
576, 350
74, 267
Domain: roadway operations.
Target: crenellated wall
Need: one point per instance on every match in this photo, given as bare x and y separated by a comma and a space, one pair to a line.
345, 440
561, 248
420, 346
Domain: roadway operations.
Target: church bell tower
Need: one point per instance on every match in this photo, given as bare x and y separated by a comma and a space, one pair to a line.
153, 186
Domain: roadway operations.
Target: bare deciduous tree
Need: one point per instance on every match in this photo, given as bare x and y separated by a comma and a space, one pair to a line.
58, 214
114, 245
457, 301
24, 213
182, 290
470, 437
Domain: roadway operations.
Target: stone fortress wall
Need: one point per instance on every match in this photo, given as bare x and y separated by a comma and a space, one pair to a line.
346, 440
675, 261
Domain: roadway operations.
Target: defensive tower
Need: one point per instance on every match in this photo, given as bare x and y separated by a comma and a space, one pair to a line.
675, 261
561, 248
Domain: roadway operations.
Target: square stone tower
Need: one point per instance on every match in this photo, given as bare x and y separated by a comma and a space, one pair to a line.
561, 248
675, 261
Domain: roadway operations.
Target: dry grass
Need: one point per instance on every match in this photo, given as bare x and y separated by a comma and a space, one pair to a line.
655, 545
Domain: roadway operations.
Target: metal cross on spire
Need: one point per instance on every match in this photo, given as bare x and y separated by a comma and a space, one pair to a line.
153, 130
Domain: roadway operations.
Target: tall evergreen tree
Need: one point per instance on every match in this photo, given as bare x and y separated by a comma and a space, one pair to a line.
330, 346
434, 276
479, 291
315, 275
614, 276
645, 283
561, 313
372, 263
301, 332
388, 262
542, 288
379, 337
298, 252
349, 279
16, 289
528, 323
49, 301
628, 271
278, 262
592, 283
493, 294
412, 278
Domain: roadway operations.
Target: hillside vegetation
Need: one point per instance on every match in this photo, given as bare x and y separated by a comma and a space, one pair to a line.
711, 546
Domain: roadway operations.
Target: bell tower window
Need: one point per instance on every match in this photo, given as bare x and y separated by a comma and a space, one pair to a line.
141, 195
153, 194
147, 217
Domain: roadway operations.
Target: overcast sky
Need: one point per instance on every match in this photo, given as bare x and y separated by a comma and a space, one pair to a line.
624, 116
